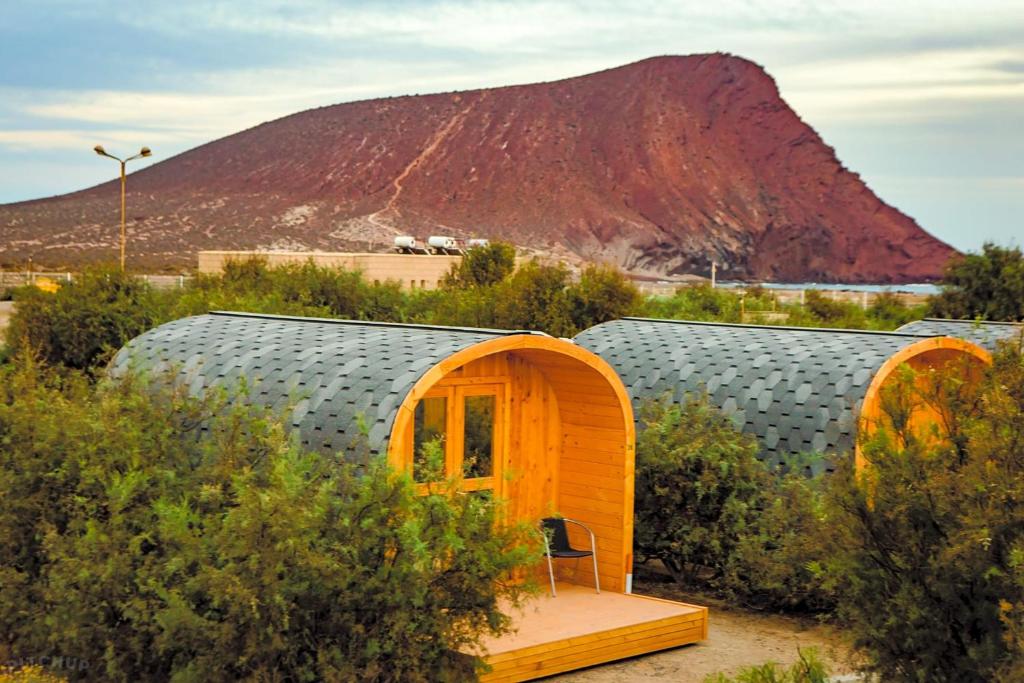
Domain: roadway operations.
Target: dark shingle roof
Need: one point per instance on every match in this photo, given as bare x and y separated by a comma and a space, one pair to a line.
797, 390
331, 370
986, 334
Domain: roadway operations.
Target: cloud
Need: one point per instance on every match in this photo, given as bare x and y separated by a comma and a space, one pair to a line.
80, 140
929, 80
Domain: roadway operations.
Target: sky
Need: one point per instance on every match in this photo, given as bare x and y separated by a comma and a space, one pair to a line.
923, 98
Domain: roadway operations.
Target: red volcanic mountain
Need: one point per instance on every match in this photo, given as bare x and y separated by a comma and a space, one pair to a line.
659, 166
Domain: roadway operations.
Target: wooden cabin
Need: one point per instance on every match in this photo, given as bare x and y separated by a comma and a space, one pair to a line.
987, 334
541, 422
798, 390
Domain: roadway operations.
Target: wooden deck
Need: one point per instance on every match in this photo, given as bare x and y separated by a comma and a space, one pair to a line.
580, 628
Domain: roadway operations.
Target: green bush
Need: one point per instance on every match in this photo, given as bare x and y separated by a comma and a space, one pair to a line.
889, 312
603, 293
989, 285
483, 266
717, 518
810, 669
698, 485
699, 302
85, 321
161, 537
292, 289
824, 308
926, 545
535, 297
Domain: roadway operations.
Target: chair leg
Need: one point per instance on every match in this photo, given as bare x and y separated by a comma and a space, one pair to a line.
551, 569
597, 578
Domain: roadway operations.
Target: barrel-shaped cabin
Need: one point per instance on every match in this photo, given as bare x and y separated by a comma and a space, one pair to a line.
540, 422
798, 390
987, 334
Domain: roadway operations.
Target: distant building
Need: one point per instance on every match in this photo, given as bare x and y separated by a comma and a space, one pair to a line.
412, 271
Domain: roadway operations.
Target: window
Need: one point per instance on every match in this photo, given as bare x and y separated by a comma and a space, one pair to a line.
466, 418
429, 424
478, 436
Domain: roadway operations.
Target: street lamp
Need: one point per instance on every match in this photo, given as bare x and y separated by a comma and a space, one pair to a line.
144, 152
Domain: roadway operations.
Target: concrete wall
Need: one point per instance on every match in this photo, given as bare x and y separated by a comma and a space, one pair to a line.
413, 271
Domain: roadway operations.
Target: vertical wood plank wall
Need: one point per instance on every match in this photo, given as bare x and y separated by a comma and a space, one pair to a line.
926, 419
596, 467
569, 451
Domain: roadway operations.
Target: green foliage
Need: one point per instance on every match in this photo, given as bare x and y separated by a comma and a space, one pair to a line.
810, 669
823, 307
697, 486
292, 289
925, 546
535, 298
889, 311
989, 285
85, 321
716, 518
699, 302
603, 293
483, 266
162, 537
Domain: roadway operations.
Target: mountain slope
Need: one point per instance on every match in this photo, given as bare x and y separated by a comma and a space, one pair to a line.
659, 166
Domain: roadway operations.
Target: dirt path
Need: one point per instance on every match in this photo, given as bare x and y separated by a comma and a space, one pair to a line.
736, 638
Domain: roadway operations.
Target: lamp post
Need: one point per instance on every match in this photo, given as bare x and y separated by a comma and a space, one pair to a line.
144, 152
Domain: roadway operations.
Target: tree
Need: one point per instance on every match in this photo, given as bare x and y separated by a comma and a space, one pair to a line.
535, 298
989, 285
603, 293
483, 266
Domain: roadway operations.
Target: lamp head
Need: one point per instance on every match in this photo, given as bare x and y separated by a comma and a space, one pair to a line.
144, 152
99, 150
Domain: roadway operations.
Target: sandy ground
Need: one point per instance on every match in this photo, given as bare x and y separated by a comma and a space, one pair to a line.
736, 638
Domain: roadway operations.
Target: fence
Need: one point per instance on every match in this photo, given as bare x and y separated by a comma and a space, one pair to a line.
25, 277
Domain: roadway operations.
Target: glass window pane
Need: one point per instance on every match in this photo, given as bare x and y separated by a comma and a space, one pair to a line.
429, 431
478, 444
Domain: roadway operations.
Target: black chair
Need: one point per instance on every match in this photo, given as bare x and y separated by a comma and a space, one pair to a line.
556, 545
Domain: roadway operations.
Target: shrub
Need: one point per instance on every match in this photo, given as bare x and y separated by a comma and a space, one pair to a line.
698, 485
699, 302
810, 669
292, 289
887, 311
779, 563
483, 266
717, 518
163, 537
926, 545
823, 307
85, 321
535, 298
989, 285
603, 293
